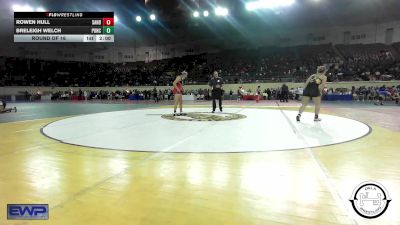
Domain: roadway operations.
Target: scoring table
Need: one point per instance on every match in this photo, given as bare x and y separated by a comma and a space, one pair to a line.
63, 26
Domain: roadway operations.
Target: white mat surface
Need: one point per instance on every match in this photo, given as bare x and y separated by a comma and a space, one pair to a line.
262, 130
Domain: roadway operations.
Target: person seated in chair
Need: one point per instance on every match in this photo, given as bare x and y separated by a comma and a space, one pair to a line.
396, 97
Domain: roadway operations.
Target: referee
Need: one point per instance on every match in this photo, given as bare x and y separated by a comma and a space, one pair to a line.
216, 83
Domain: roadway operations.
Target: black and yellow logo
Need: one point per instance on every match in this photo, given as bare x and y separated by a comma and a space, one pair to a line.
204, 116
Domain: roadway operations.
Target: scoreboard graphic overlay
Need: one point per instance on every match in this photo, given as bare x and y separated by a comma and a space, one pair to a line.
63, 26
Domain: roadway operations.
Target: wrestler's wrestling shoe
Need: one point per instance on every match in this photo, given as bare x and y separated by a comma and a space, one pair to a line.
317, 119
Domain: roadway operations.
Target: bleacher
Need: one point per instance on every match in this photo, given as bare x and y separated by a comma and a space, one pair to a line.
268, 64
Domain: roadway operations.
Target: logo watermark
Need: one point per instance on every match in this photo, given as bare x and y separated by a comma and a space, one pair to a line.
370, 199
27, 211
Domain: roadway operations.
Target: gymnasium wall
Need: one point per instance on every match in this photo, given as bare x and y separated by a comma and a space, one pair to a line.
6, 91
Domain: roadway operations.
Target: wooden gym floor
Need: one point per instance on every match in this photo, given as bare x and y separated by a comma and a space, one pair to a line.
88, 186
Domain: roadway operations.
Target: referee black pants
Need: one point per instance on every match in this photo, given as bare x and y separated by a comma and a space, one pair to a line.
217, 94
284, 96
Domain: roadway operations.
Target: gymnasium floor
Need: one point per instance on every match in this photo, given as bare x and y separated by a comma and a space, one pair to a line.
106, 163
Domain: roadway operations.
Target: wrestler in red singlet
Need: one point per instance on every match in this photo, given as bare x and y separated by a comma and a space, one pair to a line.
178, 90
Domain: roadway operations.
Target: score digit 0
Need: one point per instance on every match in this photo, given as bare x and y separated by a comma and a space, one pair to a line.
108, 21
108, 30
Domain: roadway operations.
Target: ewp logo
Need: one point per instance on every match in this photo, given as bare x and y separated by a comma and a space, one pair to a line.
28, 212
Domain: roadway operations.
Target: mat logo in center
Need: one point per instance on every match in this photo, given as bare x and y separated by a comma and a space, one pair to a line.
204, 116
